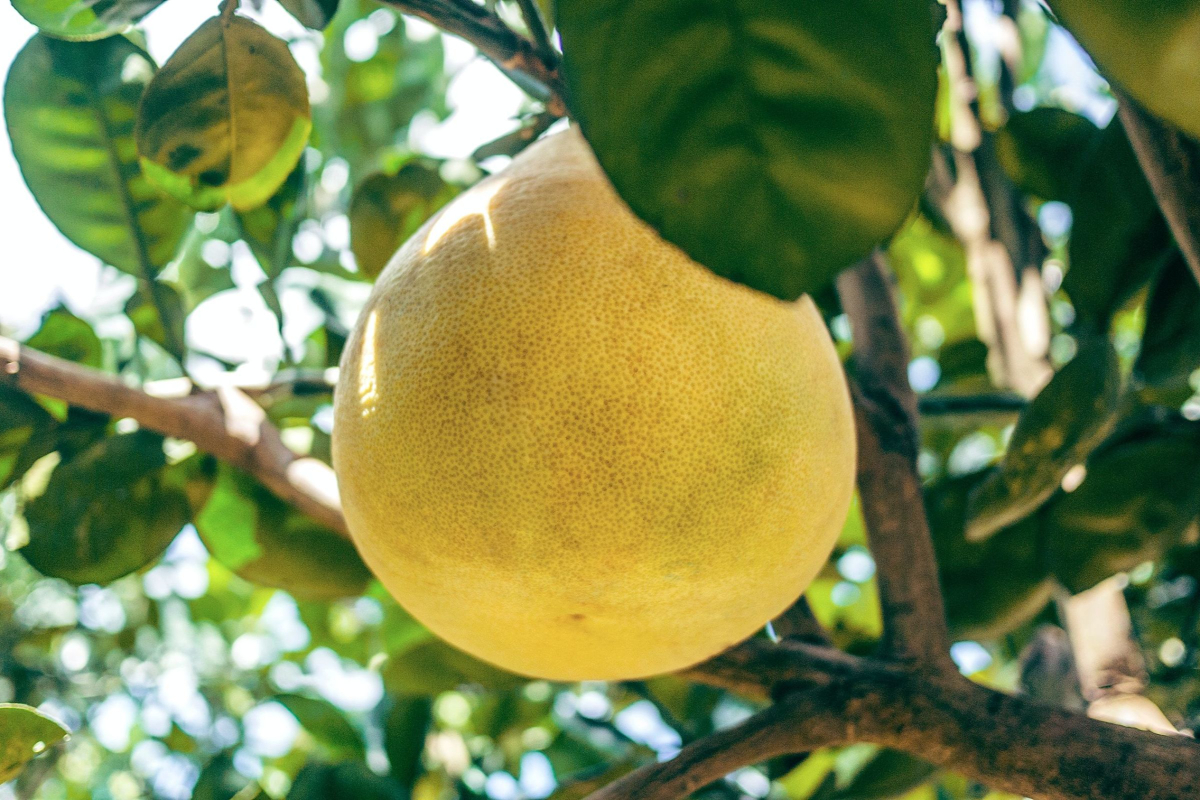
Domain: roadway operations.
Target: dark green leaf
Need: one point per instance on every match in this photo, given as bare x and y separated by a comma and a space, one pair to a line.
1045, 151
266, 541
1150, 47
989, 587
218, 780
1118, 238
326, 724
1171, 342
1138, 498
315, 14
23, 425
24, 733
67, 336
317, 781
386, 209
108, 511
84, 19
404, 734
269, 229
775, 142
226, 118
1055, 432
70, 109
433, 667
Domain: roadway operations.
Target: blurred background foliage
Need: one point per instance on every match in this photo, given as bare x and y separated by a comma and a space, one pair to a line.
199, 638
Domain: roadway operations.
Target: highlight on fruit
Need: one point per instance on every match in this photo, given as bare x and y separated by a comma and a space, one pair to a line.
573, 452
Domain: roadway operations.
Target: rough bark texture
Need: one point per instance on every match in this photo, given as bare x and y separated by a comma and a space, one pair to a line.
885, 409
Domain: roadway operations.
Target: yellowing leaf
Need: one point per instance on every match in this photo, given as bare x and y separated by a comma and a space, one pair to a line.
226, 118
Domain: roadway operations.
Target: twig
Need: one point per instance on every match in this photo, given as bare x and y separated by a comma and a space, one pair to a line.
890, 488
947, 404
538, 30
225, 423
515, 55
1171, 162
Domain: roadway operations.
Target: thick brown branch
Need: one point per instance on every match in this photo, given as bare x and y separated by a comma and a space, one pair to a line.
1171, 162
889, 486
1005, 742
225, 423
517, 56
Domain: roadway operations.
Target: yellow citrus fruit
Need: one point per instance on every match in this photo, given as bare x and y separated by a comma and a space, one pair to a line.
572, 451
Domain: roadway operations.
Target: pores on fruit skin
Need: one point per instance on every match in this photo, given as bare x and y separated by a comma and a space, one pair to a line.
573, 452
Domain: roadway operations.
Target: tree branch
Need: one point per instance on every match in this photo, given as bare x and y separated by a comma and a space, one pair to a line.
1005, 742
1171, 162
889, 486
800, 722
224, 422
518, 57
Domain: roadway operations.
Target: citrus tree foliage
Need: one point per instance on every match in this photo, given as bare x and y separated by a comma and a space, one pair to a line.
201, 638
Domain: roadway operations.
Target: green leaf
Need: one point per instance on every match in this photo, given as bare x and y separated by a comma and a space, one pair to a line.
317, 781
990, 587
227, 522
1046, 151
1150, 47
24, 733
226, 118
775, 142
157, 313
1055, 432
326, 724
315, 14
387, 209
84, 19
1119, 239
65, 335
404, 733
1171, 342
23, 440
270, 228
107, 512
433, 667
1139, 497
266, 541
70, 109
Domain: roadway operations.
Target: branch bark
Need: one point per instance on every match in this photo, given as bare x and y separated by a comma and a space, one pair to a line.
1008, 743
225, 423
1171, 162
517, 56
889, 486
1015, 360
